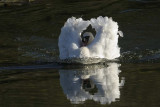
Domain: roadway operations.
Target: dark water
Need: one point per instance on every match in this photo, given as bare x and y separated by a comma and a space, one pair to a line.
31, 76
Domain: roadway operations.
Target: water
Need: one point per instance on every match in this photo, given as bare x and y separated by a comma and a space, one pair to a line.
31, 73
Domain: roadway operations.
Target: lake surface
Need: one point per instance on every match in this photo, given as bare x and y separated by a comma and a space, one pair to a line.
30, 71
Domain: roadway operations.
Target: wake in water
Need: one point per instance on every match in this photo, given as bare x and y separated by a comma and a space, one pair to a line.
104, 45
140, 56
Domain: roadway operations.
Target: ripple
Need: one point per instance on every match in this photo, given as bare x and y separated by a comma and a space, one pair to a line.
140, 56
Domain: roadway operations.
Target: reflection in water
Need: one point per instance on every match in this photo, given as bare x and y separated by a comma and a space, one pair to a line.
100, 84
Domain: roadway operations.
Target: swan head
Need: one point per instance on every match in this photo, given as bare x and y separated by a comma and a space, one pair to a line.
87, 38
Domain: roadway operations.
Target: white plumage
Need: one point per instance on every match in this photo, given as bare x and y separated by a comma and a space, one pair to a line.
104, 45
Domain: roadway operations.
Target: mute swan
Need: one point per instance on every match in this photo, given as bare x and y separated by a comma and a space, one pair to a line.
104, 45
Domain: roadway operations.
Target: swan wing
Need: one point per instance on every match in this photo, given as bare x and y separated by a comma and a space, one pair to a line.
105, 44
69, 39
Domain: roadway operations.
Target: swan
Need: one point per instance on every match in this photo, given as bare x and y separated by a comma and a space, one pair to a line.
103, 45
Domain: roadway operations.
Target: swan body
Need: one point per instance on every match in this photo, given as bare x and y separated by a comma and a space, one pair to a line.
104, 45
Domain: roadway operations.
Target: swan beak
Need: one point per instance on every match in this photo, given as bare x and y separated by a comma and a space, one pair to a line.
84, 43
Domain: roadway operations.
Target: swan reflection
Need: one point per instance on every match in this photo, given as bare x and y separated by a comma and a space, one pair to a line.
97, 83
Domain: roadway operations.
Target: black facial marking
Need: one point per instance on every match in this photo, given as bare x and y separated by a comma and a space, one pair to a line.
85, 39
